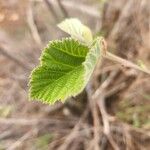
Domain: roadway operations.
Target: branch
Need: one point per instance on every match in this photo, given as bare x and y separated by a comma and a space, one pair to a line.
32, 26
74, 131
125, 62
65, 13
120, 60
51, 9
4, 52
94, 111
32, 122
27, 135
99, 98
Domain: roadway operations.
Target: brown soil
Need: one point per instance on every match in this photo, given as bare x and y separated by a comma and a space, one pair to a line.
78, 124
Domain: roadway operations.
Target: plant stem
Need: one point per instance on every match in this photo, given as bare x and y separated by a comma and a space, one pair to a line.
124, 62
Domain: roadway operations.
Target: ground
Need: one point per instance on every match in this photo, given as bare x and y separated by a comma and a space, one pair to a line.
81, 122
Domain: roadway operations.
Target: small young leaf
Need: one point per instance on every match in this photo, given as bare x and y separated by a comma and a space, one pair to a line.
65, 68
77, 30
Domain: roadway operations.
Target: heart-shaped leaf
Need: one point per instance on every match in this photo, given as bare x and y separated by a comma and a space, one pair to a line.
65, 68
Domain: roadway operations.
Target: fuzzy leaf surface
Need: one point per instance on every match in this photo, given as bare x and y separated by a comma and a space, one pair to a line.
65, 68
77, 30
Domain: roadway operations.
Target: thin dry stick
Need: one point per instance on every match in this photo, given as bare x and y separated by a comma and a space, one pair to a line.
120, 60
73, 6
105, 84
32, 122
125, 62
65, 13
115, 89
22, 139
99, 96
82, 8
32, 26
93, 98
100, 93
96, 121
51, 9
123, 14
96, 125
5, 134
128, 138
14, 58
106, 123
74, 132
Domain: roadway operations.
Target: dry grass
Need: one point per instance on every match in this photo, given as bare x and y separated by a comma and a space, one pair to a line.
116, 118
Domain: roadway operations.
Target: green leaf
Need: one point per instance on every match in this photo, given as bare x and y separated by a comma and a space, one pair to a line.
65, 68
93, 56
77, 30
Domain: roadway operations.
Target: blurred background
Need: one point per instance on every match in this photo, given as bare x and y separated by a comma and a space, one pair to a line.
26, 26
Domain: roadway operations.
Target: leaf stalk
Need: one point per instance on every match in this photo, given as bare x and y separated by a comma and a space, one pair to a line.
124, 62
